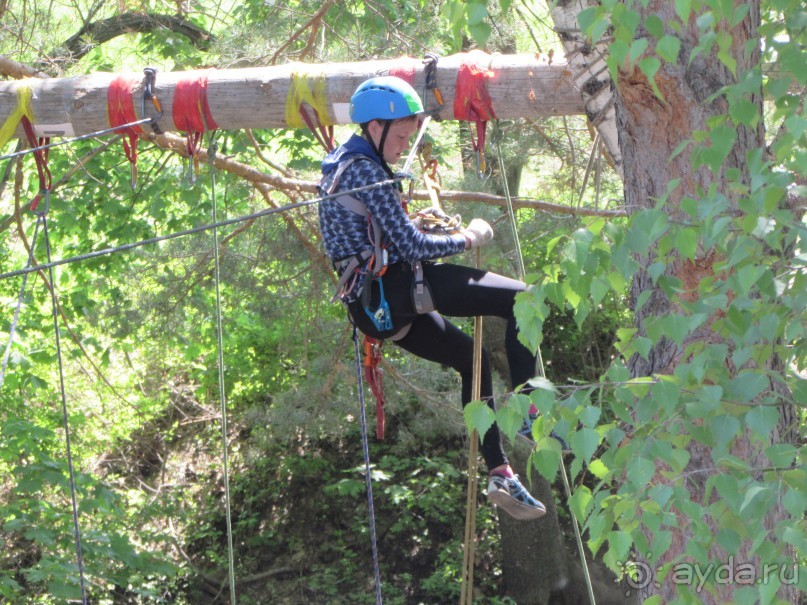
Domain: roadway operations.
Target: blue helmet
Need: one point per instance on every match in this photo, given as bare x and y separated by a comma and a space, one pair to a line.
384, 98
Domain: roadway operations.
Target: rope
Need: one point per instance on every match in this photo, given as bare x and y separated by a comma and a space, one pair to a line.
65, 417
367, 476
222, 391
82, 137
467, 590
540, 362
199, 229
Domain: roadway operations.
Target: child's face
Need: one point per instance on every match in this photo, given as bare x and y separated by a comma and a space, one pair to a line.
398, 137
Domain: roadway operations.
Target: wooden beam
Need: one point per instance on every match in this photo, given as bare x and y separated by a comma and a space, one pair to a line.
527, 86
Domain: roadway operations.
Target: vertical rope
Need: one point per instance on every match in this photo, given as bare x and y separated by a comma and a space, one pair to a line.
222, 391
367, 477
467, 592
540, 362
65, 418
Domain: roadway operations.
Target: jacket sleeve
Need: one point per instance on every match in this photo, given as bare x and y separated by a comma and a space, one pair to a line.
406, 241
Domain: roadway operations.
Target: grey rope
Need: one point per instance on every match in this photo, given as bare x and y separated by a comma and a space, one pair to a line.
20, 299
522, 272
199, 229
65, 417
367, 477
222, 391
82, 137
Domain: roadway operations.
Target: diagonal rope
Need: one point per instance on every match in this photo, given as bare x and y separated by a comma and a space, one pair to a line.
368, 480
65, 417
200, 228
540, 363
222, 391
82, 137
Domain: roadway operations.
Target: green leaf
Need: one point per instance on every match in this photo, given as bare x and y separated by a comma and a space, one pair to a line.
743, 111
724, 428
476, 12
747, 385
668, 48
479, 417
480, 32
590, 415
762, 419
683, 9
619, 543
654, 25
509, 420
649, 66
640, 471
581, 502
584, 443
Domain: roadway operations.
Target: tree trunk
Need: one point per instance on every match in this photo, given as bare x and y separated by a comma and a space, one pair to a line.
650, 130
523, 86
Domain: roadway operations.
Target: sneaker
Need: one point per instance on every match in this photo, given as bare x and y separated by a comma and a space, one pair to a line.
525, 432
509, 495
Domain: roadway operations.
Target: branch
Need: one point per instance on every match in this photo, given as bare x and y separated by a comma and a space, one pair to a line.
15, 69
98, 32
313, 23
254, 176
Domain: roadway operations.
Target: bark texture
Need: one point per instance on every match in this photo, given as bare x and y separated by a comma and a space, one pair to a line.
650, 129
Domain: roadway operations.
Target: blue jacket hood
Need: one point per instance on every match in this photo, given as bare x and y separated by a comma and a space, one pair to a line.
355, 145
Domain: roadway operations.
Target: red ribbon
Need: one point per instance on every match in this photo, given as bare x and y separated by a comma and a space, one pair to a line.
120, 110
471, 99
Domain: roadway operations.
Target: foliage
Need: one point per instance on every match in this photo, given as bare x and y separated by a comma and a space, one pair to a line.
635, 435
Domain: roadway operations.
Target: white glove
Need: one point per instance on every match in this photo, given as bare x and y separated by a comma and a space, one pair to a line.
477, 233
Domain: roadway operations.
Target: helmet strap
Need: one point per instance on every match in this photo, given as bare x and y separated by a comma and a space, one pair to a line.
379, 149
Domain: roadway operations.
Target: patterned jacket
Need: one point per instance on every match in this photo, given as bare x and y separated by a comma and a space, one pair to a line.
345, 233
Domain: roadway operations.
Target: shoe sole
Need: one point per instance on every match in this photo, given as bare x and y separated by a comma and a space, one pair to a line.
514, 508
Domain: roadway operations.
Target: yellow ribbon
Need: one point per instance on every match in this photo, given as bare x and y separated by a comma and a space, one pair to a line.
23, 109
305, 89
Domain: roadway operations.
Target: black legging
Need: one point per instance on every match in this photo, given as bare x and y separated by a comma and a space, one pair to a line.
459, 292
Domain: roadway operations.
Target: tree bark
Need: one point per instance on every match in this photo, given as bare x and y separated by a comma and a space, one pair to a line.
98, 32
650, 129
524, 86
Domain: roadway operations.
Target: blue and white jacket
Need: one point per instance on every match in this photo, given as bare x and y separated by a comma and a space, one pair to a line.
345, 233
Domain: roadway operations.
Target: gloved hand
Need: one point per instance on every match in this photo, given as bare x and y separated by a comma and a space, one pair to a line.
477, 232
434, 220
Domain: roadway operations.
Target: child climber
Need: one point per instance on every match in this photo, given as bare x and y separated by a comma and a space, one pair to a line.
379, 252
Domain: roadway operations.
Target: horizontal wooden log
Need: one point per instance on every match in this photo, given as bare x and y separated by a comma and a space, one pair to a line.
522, 86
